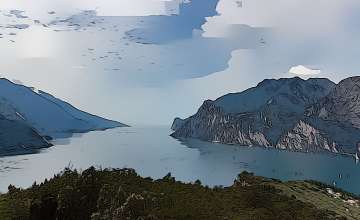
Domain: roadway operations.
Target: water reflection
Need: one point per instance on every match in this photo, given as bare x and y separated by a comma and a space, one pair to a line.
152, 152
325, 167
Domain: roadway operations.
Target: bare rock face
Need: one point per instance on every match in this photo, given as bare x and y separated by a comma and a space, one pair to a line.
178, 122
342, 104
212, 124
290, 114
305, 138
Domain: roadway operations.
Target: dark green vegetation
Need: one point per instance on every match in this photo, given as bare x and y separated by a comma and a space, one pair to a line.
123, 194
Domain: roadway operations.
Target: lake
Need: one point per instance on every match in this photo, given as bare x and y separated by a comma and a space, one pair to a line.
152, 152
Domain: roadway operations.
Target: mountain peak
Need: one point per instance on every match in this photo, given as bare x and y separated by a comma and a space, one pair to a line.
285, 90
281, 80
343, 103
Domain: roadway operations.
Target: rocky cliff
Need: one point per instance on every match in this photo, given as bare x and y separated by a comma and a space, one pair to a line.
342, 104
290, 114
303, 137
211, 123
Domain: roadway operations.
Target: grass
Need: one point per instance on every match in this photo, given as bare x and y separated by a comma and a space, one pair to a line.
316, 194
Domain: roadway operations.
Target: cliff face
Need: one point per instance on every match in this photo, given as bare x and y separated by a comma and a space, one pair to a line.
178, 122
342, 104
211, 123
287, 114
305, 138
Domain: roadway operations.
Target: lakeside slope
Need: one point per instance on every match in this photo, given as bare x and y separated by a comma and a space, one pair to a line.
314, 115
29, 119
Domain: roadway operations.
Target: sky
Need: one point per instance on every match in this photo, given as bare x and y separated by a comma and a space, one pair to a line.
145, 62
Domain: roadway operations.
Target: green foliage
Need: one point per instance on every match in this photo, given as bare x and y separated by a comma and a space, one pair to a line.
122, 194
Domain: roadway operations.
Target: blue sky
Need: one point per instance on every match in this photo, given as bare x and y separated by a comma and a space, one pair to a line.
144, 62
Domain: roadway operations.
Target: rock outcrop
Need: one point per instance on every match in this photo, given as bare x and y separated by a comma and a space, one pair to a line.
342, 104
211, 123
290, 114
305, 138
178, 122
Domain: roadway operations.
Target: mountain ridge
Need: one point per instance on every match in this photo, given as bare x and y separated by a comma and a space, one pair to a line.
279, 113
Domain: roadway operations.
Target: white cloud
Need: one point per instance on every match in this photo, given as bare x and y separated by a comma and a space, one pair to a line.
322, 34
297, 15
303, 71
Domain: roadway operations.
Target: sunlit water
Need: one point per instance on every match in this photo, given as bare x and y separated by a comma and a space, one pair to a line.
152, 152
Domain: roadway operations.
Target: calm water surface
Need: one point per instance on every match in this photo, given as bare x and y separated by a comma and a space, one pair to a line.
152, 152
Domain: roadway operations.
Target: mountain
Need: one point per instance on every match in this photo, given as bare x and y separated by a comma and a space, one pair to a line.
289, 113
342, 104
19, 138
28, 119
178, 123
93, 122
338, 114
290, 93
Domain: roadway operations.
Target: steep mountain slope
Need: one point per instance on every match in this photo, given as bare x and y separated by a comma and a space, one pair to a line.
178, 122
306, 138
45, 113
275, 106
342, 104
272, 114
28, 119
338, 114
94, 122
18, 138
290, 93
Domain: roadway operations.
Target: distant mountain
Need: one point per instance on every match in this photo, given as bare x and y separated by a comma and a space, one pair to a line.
28, 119
88, 121
289, 113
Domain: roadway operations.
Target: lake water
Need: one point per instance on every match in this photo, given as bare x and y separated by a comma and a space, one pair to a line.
152, 152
